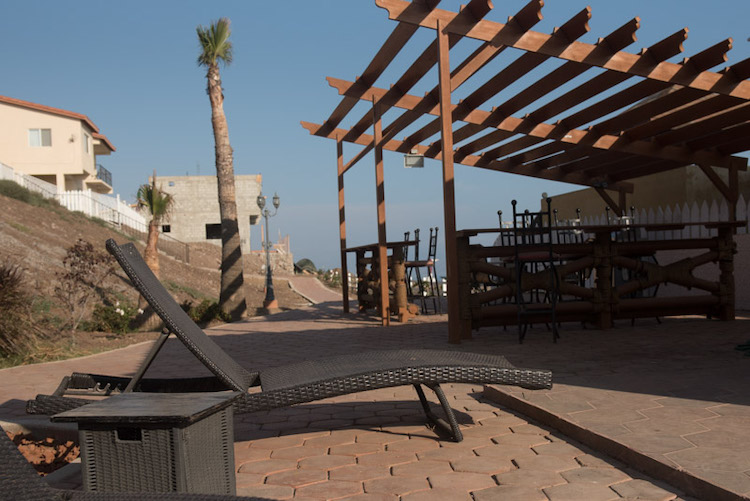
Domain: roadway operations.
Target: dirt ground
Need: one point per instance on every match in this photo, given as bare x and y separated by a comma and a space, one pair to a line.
46, 455
36, 238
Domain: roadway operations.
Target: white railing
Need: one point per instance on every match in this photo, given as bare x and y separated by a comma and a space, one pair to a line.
105, 207
685, 213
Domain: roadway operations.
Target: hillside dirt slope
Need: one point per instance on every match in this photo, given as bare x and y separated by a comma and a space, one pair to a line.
37, 238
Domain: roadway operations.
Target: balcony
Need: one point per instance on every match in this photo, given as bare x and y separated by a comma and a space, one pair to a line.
103, 174
102, 182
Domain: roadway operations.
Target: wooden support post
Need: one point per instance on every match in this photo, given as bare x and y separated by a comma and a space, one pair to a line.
449, 196
603, 299
464, 289
385, 308
400, 299
727, 248
734, 193
362, 279
342, 225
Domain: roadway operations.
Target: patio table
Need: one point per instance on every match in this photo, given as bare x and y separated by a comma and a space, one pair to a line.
368, 277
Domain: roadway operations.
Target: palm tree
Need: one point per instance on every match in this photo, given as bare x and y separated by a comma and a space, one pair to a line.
215, 48
159, 204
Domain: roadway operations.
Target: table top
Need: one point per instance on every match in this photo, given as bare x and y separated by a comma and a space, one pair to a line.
389, 245
150, 408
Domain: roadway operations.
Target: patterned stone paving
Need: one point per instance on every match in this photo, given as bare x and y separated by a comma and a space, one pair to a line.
503, 455
674, 392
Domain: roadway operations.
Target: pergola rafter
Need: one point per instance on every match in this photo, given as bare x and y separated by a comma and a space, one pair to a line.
670, 114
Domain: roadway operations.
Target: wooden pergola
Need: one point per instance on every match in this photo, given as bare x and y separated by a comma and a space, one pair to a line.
662, 115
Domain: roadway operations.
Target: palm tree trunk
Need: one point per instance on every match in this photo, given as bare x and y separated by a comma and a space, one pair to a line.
232, 295
150, 255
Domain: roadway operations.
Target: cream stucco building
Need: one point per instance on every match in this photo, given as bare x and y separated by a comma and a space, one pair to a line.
54, 145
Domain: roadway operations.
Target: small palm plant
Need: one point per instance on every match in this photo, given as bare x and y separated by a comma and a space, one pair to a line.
159, 204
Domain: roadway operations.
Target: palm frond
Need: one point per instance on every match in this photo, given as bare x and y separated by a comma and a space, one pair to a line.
158, 203
214, 43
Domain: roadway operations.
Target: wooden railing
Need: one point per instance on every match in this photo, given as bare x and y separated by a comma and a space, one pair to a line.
622, 276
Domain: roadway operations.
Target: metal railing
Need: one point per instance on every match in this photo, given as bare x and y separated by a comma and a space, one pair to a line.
103, 174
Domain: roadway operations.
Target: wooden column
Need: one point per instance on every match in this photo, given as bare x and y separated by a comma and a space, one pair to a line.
342, 225
449, 195
734, 194
385, 309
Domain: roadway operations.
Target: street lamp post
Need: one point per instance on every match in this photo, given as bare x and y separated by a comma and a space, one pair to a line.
270, 301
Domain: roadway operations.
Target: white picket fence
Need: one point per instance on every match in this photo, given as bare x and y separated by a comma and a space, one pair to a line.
106, 207
685, 213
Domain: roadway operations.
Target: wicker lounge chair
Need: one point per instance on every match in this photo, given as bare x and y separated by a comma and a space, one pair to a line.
294, 383
19, 482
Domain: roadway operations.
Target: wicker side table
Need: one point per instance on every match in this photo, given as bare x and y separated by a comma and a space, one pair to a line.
157, 442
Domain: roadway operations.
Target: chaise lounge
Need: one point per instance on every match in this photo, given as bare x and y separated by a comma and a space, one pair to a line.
289, 384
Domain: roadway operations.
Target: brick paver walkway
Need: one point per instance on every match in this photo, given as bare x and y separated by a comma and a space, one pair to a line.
672, 391
312, 289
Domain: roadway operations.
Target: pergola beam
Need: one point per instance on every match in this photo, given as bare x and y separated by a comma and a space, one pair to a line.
471, 161
569, 136
388, 51
594, 55
527, 17
576, 27
475, 10
725, 118
616, 40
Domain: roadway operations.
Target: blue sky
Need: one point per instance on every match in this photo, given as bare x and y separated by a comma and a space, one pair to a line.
130, 66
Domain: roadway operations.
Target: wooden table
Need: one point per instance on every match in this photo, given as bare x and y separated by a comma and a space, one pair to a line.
368, 279
605, 301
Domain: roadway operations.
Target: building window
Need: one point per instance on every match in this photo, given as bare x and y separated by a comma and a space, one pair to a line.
165, 228
213, 231
253, 219
86, 140
40, 137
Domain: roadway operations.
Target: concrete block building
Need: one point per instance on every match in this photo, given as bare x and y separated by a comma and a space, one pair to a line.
195, 216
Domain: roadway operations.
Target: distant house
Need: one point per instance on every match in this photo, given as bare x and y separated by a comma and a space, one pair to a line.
57, 146
195, 216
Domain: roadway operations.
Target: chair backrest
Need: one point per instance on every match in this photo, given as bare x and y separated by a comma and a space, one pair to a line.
406, 247
416, 245
177, 321
432, 250
532, 227
18, 480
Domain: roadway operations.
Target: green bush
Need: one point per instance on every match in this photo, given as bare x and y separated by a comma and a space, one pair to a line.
205, 312
14, 190
116, 318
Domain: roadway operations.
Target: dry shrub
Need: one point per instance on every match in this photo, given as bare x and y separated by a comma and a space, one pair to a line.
84, 271
16, 327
